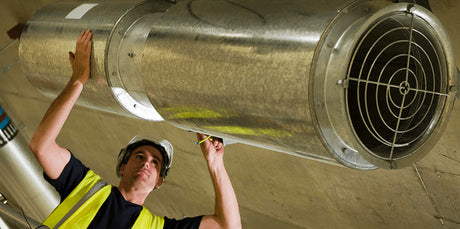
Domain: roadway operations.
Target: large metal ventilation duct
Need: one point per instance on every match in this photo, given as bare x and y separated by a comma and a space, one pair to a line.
368, 83
21, 177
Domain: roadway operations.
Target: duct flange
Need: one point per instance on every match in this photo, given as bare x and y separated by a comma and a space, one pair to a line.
123, 58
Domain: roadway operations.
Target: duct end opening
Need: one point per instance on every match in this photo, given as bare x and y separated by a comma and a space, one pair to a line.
397, 86
394, 93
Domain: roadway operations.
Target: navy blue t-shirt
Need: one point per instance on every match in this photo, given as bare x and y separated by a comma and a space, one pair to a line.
116, 212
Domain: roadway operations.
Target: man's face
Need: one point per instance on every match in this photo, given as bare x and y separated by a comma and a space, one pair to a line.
143, 168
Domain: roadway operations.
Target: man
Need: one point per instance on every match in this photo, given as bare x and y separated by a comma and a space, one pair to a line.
143, 164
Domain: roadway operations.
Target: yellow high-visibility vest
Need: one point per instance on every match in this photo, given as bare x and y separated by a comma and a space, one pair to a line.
83, 216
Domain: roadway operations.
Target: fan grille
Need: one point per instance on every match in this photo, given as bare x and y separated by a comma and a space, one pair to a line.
396, 86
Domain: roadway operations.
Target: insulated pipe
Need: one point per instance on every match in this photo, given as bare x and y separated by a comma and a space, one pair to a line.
20, 174
15, 218
367, 83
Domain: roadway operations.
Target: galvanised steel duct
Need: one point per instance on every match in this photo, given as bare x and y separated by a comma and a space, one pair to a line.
11, 217
368, 83
21, 177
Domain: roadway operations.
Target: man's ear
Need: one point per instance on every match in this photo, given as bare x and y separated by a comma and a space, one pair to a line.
159, 182
122, 169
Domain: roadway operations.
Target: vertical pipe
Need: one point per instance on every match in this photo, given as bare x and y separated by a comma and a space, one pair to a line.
14, 218
20, 174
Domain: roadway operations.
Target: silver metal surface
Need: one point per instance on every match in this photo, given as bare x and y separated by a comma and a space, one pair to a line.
273, 74
15, 218
242, 76
20, 174
48, 37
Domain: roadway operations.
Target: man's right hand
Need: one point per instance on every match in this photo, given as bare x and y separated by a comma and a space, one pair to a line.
80, 61
51, 156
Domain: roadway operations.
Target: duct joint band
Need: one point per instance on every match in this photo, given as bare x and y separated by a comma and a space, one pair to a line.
123, 59
136, 108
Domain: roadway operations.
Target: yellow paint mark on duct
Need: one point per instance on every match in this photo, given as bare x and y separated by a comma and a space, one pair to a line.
193, 112
189, 112
250, 131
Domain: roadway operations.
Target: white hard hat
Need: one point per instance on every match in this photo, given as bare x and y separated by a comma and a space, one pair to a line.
163, 145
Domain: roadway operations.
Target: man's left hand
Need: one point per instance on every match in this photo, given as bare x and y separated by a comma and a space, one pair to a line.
212, 148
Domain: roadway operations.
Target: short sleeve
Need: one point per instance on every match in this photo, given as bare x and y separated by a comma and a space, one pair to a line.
185, 223
73, 173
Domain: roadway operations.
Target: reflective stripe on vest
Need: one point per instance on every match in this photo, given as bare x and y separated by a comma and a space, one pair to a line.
85, 214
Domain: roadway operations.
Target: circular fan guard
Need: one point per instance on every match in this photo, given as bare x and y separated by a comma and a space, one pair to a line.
397, 86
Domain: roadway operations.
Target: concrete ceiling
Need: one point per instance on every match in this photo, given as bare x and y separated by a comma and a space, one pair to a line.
274, 190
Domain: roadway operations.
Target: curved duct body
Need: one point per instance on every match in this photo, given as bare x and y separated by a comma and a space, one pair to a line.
21, 176
14, 218
347, 81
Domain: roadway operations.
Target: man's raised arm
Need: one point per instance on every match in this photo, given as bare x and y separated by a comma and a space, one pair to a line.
227, 214
52, 157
